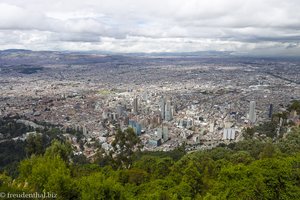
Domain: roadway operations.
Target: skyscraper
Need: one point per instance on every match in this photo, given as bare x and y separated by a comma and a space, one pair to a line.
252, 114
270, 110
135, 105
212, 126
168, 111
137, 128
162, 107
159, 132
165, 135
120, 110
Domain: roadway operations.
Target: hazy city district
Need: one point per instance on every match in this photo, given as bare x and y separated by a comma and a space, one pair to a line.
168, 100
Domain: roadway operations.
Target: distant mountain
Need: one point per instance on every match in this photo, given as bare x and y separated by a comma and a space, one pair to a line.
169, 54
39, 58
16, 50
196, 53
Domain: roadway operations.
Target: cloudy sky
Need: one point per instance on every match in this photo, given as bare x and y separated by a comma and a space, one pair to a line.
244, 26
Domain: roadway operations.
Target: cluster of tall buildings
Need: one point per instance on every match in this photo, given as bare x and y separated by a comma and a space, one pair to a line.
163, 133
229, 134
166, 109
252, 117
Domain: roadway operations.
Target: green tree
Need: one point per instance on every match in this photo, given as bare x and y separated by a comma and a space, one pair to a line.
248, 132
290, 144
278, 177
34, 144
192, 177
97, 187
124, 146
239, 182
155, 166
133, 176
58, 148
269, 151
241, 157
253, 147
295, 106
50, 174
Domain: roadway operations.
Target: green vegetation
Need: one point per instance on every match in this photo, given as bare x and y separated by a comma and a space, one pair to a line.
295, 106
13, 151
104, 92
250, 169
275, 128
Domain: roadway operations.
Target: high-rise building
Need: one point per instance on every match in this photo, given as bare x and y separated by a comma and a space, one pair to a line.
165, 133
135, 105
229, 134
137, 127
114, 116
162, 107
120, 110
154, 141
159, 132
212, 126
252, 114
270, 110
168, 111
84, 131
145, 96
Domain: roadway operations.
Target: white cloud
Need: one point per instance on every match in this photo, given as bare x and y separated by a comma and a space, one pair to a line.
144, 25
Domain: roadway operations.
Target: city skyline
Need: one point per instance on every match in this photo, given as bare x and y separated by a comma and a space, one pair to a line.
140, 99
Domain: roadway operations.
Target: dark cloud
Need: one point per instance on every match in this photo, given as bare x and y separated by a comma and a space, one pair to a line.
75, 37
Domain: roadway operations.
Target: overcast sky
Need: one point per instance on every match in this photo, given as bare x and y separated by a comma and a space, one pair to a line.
244, 26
